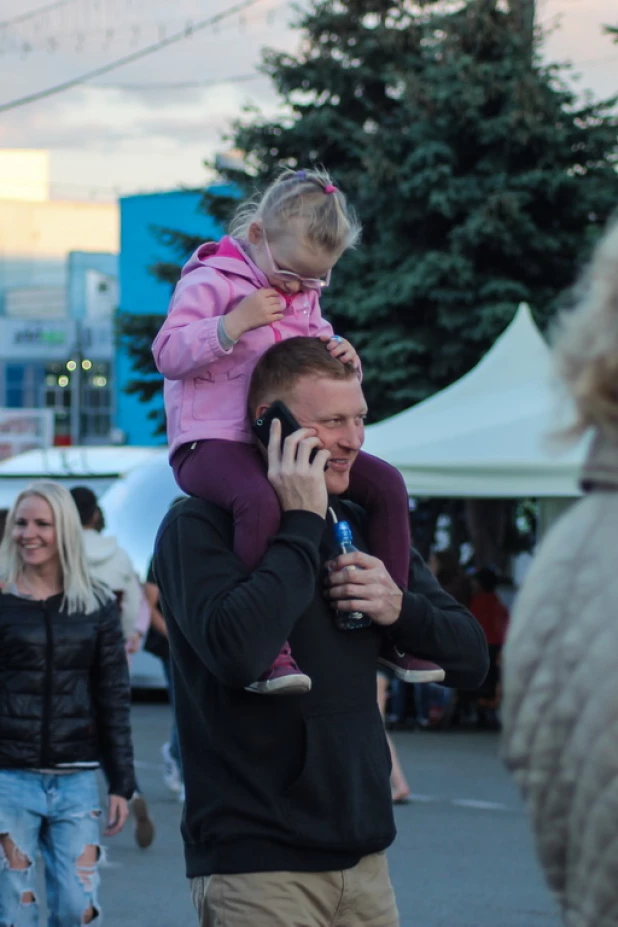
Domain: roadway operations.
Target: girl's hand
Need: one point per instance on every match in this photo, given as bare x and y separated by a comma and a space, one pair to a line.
261, 308
116, 816
341, 349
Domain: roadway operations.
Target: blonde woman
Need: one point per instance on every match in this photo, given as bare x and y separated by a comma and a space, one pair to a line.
560, 708
64, 709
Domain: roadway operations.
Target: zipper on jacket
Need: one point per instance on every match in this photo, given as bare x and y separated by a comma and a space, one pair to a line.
47, 689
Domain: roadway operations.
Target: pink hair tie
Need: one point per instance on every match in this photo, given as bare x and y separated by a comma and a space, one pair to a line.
330, 188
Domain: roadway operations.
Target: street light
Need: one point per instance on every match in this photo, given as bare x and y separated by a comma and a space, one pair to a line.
76, 385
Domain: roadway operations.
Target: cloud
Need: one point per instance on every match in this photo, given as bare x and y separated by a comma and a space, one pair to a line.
129, 138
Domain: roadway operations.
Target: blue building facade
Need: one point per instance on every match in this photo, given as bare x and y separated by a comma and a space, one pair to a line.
141, 292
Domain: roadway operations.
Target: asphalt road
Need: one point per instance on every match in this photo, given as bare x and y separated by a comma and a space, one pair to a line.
463, 856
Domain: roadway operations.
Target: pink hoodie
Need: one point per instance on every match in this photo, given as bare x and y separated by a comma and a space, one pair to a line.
206, 386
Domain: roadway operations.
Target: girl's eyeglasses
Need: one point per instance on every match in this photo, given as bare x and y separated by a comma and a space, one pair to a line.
307, 283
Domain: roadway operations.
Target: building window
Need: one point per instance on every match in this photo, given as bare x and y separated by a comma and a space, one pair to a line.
93, 381
96, 408
14, 392
57, 396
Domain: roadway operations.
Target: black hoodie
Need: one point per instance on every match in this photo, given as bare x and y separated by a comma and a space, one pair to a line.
300, 782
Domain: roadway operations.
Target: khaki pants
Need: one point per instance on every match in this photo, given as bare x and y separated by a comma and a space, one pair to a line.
358, 897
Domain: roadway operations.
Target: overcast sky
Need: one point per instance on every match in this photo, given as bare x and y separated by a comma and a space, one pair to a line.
128, 138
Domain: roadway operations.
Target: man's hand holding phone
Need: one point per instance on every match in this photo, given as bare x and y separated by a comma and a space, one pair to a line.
298, 481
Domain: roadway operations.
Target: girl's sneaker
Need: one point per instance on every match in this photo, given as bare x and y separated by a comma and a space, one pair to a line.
409, 668
283, 678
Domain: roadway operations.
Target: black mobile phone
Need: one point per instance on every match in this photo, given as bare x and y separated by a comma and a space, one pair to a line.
261, 426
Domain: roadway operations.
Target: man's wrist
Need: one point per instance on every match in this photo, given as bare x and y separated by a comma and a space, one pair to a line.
397, 607
301, 521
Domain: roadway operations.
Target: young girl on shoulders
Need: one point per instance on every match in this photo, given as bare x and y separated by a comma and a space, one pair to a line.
235, 298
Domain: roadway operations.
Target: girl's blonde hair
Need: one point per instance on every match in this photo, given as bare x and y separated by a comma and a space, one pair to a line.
81, 592
309, 196
586, 345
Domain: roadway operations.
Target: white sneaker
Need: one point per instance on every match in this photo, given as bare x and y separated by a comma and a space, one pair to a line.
171, 772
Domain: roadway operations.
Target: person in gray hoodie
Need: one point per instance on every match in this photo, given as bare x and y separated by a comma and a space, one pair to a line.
109, 563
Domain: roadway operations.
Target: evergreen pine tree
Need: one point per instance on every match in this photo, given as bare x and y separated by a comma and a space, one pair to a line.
479, 177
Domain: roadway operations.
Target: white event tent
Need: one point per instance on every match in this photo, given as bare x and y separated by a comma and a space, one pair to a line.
489, 434
97, 467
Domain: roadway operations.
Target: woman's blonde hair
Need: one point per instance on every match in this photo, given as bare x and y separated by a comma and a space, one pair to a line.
81, 592
309, 196
586, 344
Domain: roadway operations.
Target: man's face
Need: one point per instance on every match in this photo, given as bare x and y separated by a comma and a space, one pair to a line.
336, 409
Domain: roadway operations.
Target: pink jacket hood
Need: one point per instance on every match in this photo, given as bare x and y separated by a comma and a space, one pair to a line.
206, 384
228, 257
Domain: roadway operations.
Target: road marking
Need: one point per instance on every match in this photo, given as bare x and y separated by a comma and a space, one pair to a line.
483, 805
461, 802
415, 797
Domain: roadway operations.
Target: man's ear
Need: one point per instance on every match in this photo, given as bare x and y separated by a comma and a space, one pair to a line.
261, 409
255, 233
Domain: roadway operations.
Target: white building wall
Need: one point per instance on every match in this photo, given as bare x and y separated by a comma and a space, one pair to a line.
24, 174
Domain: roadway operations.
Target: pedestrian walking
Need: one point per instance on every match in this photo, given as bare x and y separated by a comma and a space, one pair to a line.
400, 790
111, 565
435, 705
64, 710
493, 616
253, 289
560, 699
157, 644
288, 809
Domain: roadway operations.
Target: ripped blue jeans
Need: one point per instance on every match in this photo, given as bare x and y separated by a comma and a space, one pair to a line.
57, 816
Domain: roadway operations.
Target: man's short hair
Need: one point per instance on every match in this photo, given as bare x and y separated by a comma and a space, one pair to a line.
284, 364
86, 503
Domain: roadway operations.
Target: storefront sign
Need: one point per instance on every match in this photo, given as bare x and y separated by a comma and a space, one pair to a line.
32, 340
22, 339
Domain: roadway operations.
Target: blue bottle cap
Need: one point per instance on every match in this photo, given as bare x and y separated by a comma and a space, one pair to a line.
343, 533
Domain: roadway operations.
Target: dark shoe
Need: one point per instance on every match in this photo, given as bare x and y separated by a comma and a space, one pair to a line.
409, 668
283, 678
144, 827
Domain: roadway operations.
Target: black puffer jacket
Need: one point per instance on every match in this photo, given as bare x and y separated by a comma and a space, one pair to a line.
64, 689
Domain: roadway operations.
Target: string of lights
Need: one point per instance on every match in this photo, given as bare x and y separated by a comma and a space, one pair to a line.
186, 33
102, 24
32, 14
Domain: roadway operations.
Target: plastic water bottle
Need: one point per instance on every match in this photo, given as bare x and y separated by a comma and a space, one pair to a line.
348, 621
